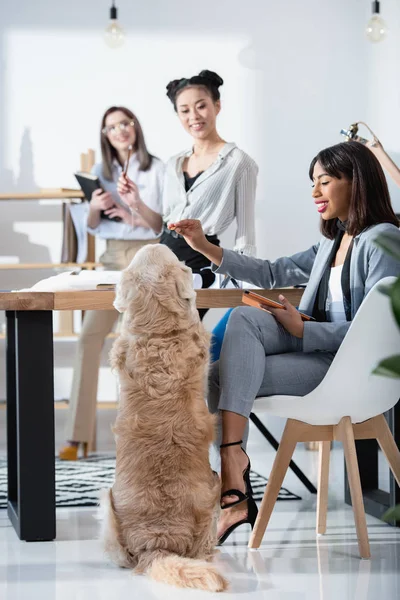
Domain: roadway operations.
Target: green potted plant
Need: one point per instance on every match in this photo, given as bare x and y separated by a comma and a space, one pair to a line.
390, 366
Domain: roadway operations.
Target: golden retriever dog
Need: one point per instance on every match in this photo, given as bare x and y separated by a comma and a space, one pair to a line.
161, 514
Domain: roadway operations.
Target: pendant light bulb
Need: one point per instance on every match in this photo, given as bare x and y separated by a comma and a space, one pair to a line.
376, 27
114, 35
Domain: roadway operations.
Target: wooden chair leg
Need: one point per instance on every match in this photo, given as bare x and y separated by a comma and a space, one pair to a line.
388, 445
323, 480
93, 441
346, 435
281, 464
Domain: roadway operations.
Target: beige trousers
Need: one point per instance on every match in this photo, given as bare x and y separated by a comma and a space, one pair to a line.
97, 324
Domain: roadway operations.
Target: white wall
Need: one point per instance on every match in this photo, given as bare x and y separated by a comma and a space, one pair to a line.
295, 74
383, 108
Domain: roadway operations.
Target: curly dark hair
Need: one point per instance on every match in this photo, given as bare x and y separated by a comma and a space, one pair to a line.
370, 199
207, 79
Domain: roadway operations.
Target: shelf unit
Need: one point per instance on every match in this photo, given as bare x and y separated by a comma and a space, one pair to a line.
66, 319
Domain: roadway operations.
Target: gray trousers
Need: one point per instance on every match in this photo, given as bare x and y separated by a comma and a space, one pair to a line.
260, 358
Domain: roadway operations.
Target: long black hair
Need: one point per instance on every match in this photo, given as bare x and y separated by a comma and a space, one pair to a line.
207, 79
370, 199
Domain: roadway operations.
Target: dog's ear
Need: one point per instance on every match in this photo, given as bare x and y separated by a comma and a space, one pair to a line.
184, 283
125, 290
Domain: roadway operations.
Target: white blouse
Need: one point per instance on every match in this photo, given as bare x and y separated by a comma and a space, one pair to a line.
223, 192
150, 184
334, 302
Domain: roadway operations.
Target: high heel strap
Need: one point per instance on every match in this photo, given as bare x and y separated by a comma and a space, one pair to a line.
233, 492
252, 512
231, 444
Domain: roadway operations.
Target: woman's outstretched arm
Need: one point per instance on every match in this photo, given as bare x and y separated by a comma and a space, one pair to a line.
283, 272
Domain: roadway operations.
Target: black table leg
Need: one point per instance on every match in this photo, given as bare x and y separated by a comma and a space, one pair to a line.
11, 392
30, 424
376, 501
275, 444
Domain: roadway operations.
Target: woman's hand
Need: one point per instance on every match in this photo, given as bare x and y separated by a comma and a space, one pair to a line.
129, 192
192, 231
143, 216
119, 212
288, 317
101, 200
138, 221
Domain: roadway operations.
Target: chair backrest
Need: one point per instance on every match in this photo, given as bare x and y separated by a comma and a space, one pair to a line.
349, 388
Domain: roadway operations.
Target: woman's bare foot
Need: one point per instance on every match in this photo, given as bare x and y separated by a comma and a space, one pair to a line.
230, 516
233, 462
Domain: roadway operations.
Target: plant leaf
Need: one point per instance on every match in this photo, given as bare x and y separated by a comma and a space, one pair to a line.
389, 367
385, 289
390, 243
393, 514
395, 298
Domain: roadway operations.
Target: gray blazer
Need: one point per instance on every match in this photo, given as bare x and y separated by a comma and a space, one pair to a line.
368, 265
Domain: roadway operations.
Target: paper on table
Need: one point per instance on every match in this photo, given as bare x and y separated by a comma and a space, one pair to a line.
84, 280
89, 280
72, 280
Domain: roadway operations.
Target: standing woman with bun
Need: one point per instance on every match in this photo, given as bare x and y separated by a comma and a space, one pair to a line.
214, 181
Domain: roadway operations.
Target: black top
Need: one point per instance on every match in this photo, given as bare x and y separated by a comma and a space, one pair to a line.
189, 181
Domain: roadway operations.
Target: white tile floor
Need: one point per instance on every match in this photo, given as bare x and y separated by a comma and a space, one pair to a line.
292, 563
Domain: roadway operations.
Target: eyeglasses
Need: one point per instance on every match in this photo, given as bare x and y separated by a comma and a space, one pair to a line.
113, 129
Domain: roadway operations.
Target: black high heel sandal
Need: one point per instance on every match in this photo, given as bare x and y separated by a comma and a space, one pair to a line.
252, 509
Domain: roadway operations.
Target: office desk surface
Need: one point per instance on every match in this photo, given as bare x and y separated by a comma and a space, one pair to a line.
103, 299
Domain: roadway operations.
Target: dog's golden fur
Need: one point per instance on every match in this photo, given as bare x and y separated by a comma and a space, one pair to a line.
161, 513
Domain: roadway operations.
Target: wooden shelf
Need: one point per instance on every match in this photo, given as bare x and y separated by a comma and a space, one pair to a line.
42, 195
85, 265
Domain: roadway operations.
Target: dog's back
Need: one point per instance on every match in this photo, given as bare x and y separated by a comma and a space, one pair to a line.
165, 500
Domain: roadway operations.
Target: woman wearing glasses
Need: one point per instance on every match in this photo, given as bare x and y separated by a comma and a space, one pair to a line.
125, 232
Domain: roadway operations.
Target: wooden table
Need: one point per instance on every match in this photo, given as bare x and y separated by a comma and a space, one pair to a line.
30, 395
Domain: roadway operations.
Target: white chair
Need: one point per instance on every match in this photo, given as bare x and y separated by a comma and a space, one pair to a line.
348, 404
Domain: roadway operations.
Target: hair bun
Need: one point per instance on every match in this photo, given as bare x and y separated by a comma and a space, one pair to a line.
172, 87
214, 78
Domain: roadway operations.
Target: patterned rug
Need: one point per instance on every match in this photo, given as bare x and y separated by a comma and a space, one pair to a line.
78, 482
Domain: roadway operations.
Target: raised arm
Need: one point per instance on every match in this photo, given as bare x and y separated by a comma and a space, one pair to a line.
386, 162
283, 272
129, 193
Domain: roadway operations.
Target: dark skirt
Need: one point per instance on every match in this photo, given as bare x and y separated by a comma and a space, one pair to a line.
196, 261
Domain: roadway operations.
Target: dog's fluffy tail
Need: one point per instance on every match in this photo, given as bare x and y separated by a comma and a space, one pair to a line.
185, 572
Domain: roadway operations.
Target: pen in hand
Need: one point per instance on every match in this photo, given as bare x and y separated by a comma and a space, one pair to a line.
127, 159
